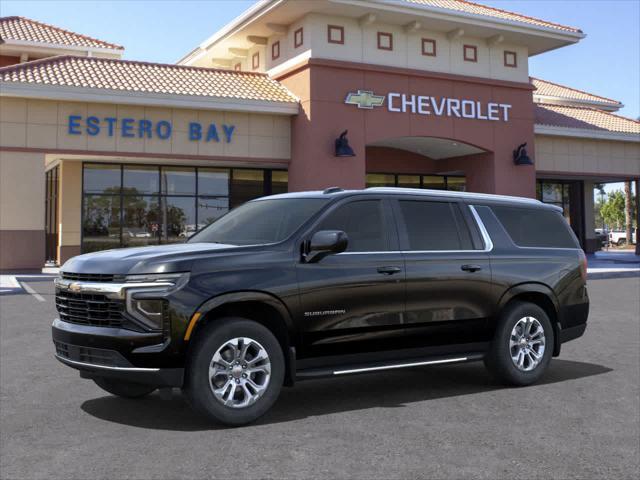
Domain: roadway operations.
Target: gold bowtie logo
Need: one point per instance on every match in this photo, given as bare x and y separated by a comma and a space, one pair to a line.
364, 99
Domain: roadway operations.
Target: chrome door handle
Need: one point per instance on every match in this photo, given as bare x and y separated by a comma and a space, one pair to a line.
389, 270
471, 268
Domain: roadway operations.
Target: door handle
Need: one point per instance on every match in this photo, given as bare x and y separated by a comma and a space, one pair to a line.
471, 268
389, 270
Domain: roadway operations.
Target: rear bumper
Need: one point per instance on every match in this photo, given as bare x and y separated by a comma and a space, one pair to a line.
571, 333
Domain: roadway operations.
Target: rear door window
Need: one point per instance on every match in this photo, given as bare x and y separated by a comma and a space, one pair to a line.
434, 226
536, 227
363, 223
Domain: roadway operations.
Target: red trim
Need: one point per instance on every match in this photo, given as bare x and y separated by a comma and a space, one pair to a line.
337, 28
275, 50
298, 35
255, 61
508, 63
319, 62
470, 48
425, 52
387, 35
177, 156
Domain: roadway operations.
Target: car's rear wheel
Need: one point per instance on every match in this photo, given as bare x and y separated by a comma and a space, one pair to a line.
522, 346
123, 389
235, 371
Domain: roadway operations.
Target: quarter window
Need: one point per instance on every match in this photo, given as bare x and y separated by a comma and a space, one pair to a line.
434, 226
362, 222
529, 227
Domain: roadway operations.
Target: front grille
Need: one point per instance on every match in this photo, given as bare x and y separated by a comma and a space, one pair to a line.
89, 309
93, 356
88, 277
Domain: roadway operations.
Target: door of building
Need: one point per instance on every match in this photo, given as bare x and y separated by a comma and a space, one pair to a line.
51, 215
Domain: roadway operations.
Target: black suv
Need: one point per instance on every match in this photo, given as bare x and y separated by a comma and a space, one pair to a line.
316, 284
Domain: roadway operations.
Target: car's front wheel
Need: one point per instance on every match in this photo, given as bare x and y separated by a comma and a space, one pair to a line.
235, 371
123, 389
522, 346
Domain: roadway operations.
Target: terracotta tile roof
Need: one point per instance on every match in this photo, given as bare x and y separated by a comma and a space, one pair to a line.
143, 77
25, 29
483, 10
583, 118
544, 87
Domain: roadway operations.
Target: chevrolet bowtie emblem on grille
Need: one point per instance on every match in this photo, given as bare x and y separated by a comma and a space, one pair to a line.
364, 99
74, 287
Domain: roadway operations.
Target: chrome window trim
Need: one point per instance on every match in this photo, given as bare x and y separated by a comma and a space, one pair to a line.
105, 367
488, 243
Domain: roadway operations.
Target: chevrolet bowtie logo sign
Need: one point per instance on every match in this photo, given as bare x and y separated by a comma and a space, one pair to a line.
364, 99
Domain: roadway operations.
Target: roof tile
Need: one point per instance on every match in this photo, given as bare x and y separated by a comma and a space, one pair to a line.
477, 9
25, 29
546, 88
583, 118
130, 76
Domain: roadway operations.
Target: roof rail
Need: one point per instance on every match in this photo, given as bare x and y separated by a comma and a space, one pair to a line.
450, 193
326, 191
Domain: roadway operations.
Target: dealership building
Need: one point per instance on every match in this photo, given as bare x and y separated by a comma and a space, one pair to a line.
97, 152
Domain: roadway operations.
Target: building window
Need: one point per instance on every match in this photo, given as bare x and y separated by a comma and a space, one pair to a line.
428, 47
298, 38
255, 61
335, 34
131, 205
385, 41
510, 59
470, 53
433, 182
238, 67
275, 50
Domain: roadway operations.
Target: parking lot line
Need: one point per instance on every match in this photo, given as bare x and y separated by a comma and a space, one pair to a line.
32, 292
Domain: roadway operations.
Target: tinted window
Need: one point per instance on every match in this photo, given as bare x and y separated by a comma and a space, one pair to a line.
363, 224
529, 227
261, 222
434, 226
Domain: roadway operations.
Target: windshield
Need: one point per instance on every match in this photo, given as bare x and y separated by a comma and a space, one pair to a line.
261, 221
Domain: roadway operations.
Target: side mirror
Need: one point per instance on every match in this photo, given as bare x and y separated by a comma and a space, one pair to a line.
323, 243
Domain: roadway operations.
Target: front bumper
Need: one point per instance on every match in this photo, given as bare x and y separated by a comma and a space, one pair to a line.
116, 353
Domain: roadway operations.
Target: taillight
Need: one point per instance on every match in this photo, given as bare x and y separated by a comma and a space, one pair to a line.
583, 265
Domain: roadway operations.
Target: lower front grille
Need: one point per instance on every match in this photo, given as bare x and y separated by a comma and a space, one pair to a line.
89, 309
92, 356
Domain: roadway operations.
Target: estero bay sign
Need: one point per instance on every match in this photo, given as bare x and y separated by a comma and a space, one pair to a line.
431, 105
144, 128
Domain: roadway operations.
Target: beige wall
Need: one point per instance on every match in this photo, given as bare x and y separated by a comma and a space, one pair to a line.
587, 156
70, 204
43, 124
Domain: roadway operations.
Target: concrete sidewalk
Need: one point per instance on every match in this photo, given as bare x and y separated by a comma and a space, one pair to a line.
613, 264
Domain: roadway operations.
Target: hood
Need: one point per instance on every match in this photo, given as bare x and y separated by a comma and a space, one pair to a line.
152, 259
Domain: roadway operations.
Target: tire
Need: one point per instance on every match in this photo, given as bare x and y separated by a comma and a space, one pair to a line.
237, 401
123, 389
499, 359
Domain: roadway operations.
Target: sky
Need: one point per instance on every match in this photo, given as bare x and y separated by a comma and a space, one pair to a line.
606, 62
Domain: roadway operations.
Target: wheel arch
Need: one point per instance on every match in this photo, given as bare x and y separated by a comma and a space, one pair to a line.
540, 295
261, 307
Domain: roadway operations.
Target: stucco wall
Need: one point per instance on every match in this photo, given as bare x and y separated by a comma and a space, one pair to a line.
43, 124
587, 156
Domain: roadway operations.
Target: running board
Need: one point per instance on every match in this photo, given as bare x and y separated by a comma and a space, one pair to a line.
380, 366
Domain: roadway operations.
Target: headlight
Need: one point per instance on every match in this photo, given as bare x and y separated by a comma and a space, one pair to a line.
144, 296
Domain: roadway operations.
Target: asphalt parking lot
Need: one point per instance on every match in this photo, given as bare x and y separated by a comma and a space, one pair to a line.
453, 421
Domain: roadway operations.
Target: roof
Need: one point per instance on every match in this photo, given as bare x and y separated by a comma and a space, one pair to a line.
583, 118
27, 30
143, 77
550, 89
486, 11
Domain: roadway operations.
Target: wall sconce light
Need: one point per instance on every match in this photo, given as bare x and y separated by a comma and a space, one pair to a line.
520, 156
342, 146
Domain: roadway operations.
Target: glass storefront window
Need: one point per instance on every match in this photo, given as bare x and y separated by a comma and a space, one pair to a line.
213, 181
409, 181
246, 185
136, 205
98, 178
178, 181
434, 182
381, 180
140, 220
100, 222
140, 180
458, 184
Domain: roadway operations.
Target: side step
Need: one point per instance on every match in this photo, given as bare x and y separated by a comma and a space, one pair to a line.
389, 365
